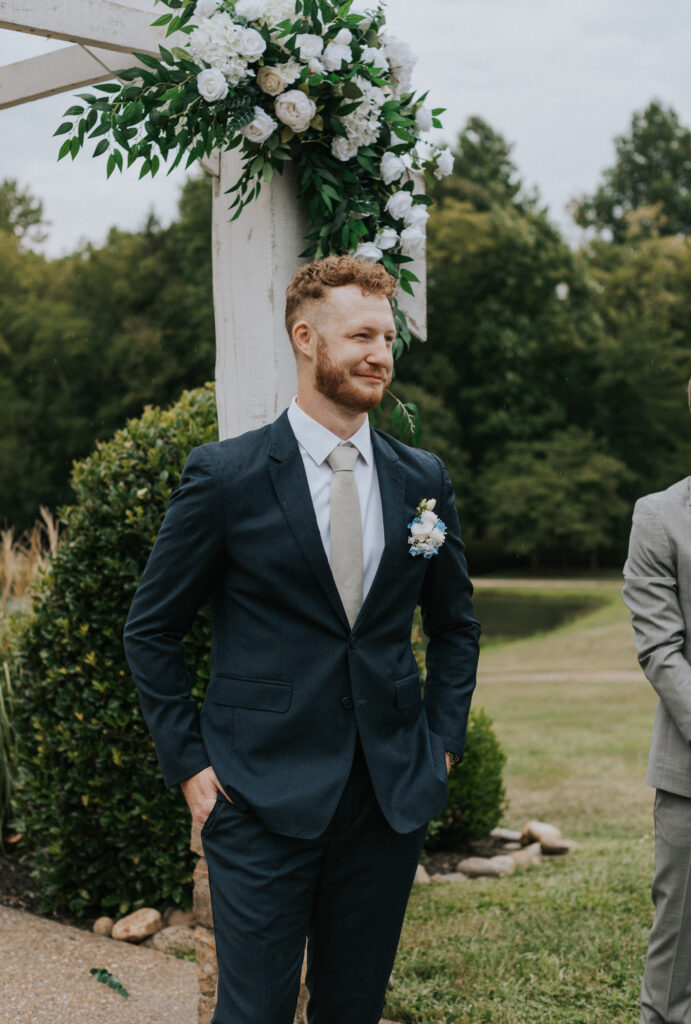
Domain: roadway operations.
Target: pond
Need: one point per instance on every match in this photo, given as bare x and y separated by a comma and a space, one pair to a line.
506, 615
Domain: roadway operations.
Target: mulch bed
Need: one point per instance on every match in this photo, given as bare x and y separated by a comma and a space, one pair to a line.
17, 888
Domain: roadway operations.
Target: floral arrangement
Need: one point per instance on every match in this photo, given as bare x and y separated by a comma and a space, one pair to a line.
427, 532
310, 81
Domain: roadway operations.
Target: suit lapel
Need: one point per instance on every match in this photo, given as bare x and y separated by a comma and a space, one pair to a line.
391, 477
289, 480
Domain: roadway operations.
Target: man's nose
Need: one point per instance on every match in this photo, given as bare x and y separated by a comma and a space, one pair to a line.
381, 352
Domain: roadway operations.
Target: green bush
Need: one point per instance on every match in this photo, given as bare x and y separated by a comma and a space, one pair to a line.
477, 798
104, 833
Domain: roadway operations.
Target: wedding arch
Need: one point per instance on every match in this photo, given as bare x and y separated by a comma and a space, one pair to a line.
253, 256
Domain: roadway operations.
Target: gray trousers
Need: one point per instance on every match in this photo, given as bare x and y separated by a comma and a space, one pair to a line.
666, 989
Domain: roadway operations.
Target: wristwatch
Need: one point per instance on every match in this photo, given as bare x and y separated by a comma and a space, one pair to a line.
453, 758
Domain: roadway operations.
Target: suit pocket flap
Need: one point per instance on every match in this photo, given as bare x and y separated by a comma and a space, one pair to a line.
254, 694
408, 691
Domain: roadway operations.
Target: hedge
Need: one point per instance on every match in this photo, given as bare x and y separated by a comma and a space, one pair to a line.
104, 833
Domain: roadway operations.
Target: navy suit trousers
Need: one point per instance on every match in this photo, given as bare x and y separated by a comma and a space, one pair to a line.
345, 892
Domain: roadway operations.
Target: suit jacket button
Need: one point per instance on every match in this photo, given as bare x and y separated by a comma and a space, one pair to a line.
353, 641
347, 703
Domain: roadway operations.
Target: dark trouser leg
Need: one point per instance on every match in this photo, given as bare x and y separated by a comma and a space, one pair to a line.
666, 989
262, 888
359, 905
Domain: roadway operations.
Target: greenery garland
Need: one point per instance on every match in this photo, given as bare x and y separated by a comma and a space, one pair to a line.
304, 80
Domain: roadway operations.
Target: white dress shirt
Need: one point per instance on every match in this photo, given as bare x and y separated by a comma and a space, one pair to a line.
316, 443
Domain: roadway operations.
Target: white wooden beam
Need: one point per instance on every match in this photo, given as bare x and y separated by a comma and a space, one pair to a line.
254, 258
102, 23
60, 71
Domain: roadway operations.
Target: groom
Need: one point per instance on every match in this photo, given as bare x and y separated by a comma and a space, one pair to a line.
314, 766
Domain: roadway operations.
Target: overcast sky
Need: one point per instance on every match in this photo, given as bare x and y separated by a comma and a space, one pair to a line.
559, 80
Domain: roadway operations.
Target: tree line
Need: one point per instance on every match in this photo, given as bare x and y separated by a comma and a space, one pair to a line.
552, 383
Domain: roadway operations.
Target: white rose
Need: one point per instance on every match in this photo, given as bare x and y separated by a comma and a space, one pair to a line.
295, 109
429, 518
251, 44
271, 81
413, 242
342, 148
250, 9
423, 119
399, 204
437, 537
369, 252
374, 56
417, 216
212, 85
260, 128
401, 62
205, 8
391, 167
420, 531
444, 163
316, 67
386, 239
335, 55
343, 38
309, 45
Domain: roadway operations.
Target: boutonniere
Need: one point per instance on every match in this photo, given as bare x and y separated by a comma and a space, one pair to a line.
427, 532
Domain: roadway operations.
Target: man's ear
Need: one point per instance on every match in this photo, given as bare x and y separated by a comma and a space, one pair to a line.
304, 339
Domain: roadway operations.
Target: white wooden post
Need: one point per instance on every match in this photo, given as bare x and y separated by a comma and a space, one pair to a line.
254, 258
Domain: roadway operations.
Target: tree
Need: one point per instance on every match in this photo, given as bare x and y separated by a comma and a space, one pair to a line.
652, 172
555, 496
484, 172
21, 214
87, 341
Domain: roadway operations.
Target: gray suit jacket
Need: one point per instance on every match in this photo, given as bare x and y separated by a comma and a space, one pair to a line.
658, 593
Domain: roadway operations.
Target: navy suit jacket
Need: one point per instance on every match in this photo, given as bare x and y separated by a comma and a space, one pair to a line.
291, 684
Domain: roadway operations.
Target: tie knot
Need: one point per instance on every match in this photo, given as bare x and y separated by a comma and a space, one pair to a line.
343, 458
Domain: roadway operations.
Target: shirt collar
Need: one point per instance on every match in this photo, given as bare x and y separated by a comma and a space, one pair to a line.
319, 442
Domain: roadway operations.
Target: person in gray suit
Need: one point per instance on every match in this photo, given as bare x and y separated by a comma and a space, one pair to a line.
658, 593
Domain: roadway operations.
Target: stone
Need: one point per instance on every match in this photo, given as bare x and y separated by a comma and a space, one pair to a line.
173, 916
506, 835
138, 925
207, 966
196, 838
504, 864
103, 926
173, 940
205, 1009
203, 913
478, 867
554, 847
536, 831
450, 876
527, 856
421, 875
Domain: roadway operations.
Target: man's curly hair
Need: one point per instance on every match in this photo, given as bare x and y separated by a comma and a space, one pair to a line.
312, 280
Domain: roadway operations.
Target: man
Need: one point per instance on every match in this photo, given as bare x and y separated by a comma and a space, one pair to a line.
314, 766
658, 593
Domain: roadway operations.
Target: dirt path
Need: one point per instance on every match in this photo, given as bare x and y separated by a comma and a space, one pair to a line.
45, 979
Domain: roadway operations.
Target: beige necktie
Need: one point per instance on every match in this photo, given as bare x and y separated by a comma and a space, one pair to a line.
346, 529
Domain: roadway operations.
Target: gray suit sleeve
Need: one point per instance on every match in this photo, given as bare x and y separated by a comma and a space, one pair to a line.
651, 593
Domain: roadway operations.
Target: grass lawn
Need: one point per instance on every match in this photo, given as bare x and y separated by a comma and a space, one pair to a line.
565, 943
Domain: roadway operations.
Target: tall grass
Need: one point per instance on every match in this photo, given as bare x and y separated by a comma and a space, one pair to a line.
22, 561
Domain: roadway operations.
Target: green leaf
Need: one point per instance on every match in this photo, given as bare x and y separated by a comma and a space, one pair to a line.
74, 111
64, 128
101, 147
64, 149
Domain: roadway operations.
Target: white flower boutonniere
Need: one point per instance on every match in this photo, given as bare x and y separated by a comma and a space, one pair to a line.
427, 532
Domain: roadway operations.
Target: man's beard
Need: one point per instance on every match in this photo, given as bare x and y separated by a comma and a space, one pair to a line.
336, 384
